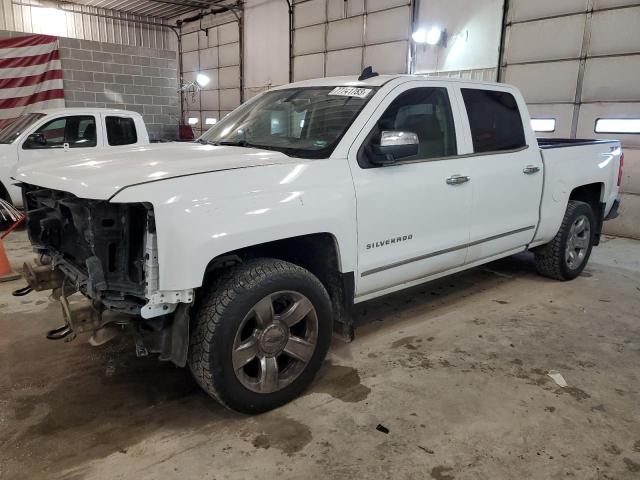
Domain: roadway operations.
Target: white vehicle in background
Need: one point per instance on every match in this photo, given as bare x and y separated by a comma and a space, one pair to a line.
240, 259
52, 133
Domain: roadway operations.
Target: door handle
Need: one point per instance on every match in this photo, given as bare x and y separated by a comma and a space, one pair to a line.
457, 179
530, 170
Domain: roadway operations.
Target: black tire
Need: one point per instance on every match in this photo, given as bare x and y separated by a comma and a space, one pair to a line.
218, 318
551, 258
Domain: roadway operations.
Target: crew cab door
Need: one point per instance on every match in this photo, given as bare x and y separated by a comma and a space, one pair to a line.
59, 135
413, 215
505, 169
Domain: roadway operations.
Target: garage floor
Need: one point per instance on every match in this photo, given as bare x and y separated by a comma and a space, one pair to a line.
456, 371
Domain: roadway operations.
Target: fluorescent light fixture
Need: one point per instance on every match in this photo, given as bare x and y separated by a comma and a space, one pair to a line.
618, 125
543, 124
210, 121
202, 79
192, 120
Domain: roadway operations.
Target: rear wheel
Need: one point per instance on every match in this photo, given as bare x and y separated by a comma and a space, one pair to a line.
260, 335
567, 254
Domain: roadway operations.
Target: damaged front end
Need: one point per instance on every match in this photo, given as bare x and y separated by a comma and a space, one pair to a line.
107, 252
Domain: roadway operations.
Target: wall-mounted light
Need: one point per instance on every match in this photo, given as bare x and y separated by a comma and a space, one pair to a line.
202, 79
433, 36
192, 120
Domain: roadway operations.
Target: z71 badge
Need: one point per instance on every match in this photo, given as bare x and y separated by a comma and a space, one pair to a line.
389, 241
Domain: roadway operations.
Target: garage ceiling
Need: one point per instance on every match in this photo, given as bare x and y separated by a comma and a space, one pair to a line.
153, 8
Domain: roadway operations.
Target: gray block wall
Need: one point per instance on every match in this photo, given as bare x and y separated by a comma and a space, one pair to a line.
108, 75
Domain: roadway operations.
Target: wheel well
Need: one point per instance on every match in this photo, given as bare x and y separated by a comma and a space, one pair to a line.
592, 195
318, 253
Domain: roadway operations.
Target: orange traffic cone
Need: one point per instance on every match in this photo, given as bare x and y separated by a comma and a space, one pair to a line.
6, 274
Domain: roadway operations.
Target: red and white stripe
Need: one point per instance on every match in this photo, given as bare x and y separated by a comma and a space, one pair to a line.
30, 75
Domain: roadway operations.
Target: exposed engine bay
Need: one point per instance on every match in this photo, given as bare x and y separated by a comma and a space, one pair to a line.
108, 253
98, 245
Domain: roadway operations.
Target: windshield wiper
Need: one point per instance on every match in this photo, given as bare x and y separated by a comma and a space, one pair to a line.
236, 143
205, 142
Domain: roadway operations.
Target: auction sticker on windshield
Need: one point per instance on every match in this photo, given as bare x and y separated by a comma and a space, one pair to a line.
351, 92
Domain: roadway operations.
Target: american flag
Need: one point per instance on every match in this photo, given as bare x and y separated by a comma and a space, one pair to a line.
30, 75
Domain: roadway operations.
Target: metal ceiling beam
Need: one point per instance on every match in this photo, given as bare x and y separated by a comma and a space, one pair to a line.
162, 10
195, 4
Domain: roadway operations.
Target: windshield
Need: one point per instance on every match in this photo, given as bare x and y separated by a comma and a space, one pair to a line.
303, 122
12, 129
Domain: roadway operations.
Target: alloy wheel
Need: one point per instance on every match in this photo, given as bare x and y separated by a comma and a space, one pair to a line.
275, 341
578, 242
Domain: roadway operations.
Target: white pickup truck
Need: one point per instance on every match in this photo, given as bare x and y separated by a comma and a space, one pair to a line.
60, 132
239, 254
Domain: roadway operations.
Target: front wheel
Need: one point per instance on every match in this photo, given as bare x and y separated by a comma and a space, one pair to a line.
567, 254
260, 335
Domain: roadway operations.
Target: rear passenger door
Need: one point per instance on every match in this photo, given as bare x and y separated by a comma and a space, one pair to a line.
505, 168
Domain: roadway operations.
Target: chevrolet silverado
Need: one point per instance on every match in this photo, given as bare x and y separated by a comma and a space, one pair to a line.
239, 254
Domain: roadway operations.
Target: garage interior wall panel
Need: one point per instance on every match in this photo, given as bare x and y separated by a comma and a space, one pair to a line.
213, 51
578, 61
77, 22
472, 36
341, 37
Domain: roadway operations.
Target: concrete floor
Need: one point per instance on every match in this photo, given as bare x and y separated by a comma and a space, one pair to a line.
456, 370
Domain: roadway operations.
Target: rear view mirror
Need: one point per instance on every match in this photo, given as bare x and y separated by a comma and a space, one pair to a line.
35, 140
396, 145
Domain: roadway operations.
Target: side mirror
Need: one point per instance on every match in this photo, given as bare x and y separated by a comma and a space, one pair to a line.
36, 140
396, 145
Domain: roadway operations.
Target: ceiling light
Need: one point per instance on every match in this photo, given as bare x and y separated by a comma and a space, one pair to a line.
202, 79
210, 121
192, 120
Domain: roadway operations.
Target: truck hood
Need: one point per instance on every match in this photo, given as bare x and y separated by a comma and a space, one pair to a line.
101, 174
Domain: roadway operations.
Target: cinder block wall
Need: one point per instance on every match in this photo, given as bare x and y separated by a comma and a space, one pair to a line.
108, 75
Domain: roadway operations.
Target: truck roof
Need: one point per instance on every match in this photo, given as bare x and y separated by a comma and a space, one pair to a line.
85, 110
376, 81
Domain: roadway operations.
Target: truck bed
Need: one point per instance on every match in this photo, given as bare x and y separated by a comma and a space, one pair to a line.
548, 143
587, 162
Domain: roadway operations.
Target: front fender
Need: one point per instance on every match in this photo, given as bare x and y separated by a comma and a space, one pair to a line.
199, 217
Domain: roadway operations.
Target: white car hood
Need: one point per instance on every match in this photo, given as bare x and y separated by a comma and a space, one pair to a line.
102, 173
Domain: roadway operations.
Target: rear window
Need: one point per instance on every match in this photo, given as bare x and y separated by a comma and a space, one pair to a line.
496, 123
121, 131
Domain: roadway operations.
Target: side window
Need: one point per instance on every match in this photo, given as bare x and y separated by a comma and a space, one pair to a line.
49, 135
81, 132
121, 131
496, 123
78, 132
425, 112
